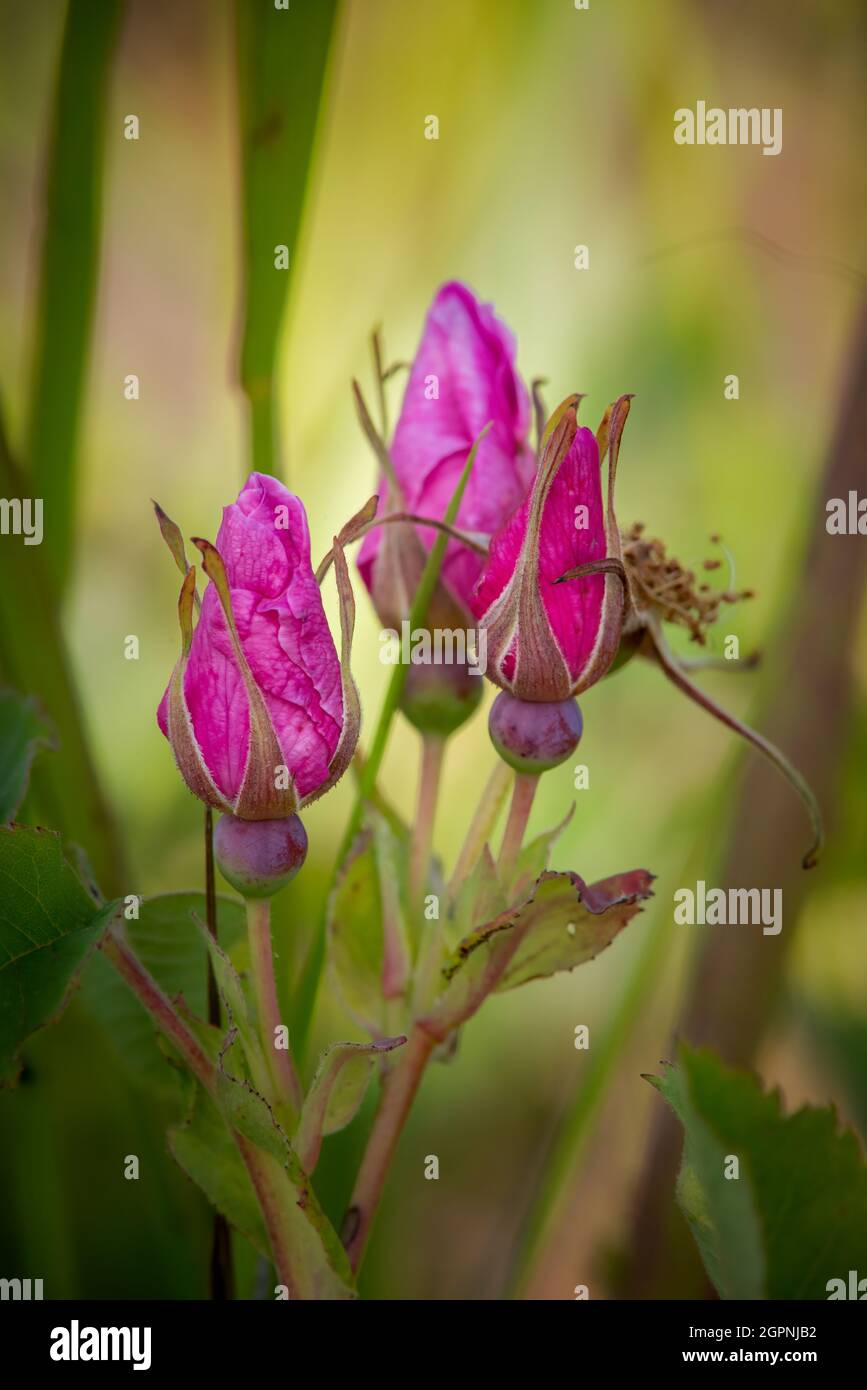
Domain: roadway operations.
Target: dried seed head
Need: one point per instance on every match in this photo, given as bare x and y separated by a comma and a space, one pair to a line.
662, 583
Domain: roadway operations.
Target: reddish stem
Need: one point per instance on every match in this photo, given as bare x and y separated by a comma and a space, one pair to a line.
265, 1172
159, 1006
519, 814
399, 1088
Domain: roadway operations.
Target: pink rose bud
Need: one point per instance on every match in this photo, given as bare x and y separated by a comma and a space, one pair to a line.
551, 595
463, 377
261, 714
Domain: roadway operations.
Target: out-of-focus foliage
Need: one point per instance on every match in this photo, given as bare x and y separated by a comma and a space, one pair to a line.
777, 1203
23, 731
69, 270
48, 927
282, 56
167, 941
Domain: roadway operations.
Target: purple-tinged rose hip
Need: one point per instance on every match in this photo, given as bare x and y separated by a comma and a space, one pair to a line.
533, 737
259, 857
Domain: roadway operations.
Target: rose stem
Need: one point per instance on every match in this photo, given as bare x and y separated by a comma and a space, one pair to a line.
158, 1005
221, 1269
269, 1181
306, 995
265, 1173
398, 1092
211, 915
284, 1078
519, 814
482, 825
432, 748
431, 951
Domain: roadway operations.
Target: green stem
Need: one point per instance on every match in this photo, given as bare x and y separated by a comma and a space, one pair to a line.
211, 915
284, 1079
398, 1091
481, 827
221, 1269
519, 813
432, 749
306, 996
274, 1196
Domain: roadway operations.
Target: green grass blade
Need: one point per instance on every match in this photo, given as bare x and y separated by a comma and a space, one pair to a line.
554, 1185
282, 59
69, 270
575, 1126
65, 792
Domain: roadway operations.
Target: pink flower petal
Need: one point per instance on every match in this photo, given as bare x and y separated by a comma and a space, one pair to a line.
468, 356
265, 546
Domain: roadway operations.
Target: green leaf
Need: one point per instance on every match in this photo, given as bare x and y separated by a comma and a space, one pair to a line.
368, 950
574, 923
236, 1119
168, 942
355, 937
228, 982
795, 1218
23, 731
479, 899
721, 1211
391, 855
335, 1094
204, 1148
282, 59
536, 938
839, 1033
534, 858
48, 927
70, 268
237, 1007
321, 1258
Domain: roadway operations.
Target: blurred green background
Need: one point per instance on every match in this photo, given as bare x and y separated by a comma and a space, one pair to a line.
555, 129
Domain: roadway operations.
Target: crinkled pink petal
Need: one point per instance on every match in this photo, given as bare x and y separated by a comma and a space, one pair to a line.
471, 353
217, 699
265, 546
